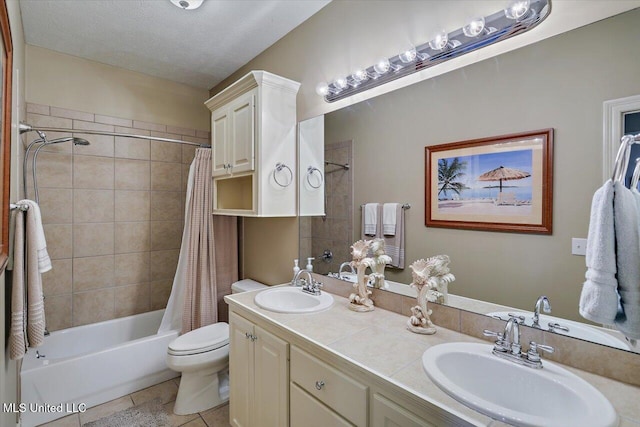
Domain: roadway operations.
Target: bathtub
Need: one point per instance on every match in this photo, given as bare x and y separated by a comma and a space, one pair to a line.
88, 365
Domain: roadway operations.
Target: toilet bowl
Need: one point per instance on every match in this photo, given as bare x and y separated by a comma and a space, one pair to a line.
202, 356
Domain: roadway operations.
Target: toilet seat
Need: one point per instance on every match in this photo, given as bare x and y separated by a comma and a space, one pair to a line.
201, 340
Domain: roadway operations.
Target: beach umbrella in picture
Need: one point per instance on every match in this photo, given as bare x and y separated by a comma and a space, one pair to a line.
503, 174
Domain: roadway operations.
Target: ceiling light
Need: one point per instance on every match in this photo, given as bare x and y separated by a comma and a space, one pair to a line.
187, 4
522, 15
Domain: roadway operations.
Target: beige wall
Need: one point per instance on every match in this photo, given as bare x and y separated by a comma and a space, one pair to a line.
79, 84
558, 83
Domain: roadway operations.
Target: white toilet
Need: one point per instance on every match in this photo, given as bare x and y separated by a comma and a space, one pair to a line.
202, 356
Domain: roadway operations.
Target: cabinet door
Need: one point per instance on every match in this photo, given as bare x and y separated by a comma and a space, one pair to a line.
242, 111
309, 412
389, 414
241, 371
271, 407
220, 140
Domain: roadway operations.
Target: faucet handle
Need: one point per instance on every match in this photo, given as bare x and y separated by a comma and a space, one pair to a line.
553, 326
533, 354
517, 317
488, 333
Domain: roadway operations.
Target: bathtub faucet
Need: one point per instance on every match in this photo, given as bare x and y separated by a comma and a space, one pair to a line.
39, 356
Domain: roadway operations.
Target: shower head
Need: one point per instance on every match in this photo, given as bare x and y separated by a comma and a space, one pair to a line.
76, 141
80, 141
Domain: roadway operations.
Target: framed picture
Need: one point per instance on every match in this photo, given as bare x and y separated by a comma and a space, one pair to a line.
6, 67
501, 183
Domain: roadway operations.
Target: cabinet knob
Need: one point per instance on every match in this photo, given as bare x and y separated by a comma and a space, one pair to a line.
247, 335
319, 385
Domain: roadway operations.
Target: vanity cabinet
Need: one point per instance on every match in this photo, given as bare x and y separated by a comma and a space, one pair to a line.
253, 138
387, 413
259, 376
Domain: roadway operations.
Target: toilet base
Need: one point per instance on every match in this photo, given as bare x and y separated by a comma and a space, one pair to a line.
200, 391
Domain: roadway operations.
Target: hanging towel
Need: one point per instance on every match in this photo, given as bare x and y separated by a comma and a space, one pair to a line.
370, 219
38, 239
389, 215
17, 333
599, 297
36, 261
394, 245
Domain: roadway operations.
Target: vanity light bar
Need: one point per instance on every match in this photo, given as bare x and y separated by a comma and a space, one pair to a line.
518, 17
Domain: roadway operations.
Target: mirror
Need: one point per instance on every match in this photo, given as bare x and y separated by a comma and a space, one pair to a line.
557, 83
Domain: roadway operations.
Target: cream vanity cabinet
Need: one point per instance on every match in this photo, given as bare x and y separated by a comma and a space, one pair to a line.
253, 139
259, 376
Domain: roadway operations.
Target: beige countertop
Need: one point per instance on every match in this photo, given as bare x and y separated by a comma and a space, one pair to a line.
379, 343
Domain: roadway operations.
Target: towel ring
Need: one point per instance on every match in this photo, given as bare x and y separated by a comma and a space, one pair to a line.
310, 171
279, 167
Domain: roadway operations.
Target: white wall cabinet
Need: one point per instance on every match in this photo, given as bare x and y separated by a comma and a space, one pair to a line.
311, 163
253, 137
259, 376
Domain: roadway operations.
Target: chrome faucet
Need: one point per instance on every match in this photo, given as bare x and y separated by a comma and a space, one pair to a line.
345, 264
309, 286
541, 304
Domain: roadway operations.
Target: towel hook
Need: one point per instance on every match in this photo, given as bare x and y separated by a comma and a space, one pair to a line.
279, 167
310, 172
622, 158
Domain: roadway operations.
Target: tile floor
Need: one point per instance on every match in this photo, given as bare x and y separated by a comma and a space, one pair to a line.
166, 391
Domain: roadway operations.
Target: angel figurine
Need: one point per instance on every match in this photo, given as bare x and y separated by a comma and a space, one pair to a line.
432, 273
381, 259
359, 300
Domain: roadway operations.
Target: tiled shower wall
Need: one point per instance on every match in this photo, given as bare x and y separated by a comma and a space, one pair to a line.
112, 213
335, 231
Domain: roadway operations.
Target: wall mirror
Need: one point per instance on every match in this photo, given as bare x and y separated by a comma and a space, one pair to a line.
6, 67
556, 83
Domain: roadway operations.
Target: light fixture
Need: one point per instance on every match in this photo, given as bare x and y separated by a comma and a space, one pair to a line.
187, 4
517, 18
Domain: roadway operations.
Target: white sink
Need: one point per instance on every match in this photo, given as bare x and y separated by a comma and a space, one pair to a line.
291, 299
515, 394
576, 329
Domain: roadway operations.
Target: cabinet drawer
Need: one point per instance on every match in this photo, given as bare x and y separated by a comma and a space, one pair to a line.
309, 412
335, 389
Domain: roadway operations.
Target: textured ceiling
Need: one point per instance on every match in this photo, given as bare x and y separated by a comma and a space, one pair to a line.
196, 47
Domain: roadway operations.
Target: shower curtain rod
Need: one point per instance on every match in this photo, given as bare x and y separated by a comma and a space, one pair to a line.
28, 128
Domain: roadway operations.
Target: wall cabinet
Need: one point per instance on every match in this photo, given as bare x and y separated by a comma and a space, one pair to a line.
259, 371
253, 138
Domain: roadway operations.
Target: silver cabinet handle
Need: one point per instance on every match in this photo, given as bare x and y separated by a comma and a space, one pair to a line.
247, 335
319, 385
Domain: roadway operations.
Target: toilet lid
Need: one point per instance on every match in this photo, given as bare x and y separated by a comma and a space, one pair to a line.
200, 340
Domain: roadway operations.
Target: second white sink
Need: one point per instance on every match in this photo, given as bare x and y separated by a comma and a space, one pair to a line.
289, 299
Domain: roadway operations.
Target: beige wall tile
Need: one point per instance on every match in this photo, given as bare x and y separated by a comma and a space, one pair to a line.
131, 268
116, 121
185, 178
57, 312
59, 279
93, 172
54, 171
71, 114
387, 300
166, 391
100, 145
132, 148
166, 235
39, 120
165, 176
37, 108
93, 206
473, 324
444, 316
149, 126
132, 237
160, 292
163, 264
59, 240
166, 152
93, 306
132, 299
93, 273
181, 131
188, 153
91, 125
132, 174
203, 141
93, 239
203, 134
166, 205
132, 205
56, 205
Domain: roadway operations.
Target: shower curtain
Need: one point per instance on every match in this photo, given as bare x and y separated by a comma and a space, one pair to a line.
208, 261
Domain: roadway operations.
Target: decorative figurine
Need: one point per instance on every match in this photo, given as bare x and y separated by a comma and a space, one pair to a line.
428, 275
360, 301
381, 259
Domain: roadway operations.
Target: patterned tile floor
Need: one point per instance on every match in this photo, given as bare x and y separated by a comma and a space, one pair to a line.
166, 391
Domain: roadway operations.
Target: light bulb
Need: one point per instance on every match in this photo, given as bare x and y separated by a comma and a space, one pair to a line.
322, 89
382, 66
359, 75
439, 41
340, 83
187, 4
408, 55
474, 28
517, 9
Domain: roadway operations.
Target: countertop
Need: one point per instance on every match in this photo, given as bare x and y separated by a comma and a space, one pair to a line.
364, 339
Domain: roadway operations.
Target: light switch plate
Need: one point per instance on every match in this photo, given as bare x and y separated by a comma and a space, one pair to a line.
578, 246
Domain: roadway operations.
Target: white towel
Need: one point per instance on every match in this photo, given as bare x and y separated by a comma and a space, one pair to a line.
44, 261
389, 219
370, 218
394, 245
17, 332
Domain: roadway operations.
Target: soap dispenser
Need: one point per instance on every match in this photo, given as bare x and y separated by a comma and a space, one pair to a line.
296, 268
309, 263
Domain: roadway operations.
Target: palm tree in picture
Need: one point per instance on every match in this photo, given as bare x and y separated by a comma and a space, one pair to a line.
449, 175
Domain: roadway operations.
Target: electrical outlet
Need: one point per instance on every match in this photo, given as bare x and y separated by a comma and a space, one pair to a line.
578, 246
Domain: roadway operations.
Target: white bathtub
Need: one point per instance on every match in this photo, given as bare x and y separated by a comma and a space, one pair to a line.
92, 364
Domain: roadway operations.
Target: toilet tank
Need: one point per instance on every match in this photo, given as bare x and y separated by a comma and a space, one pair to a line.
246, 285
